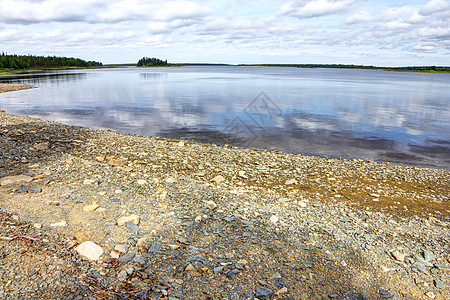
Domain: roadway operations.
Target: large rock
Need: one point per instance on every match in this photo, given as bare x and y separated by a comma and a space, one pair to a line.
90, 250
15, 179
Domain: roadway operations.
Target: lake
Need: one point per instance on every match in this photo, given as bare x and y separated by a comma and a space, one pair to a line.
375, 115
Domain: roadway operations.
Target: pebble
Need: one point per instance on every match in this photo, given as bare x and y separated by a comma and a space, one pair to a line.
190, 268
263, 293
89, 181
122, 275
211, 204
302, 204
91, 207
428, 255
274, 219
121, 248
398, 256
132, 228
131, 218
218, 179
90, 250
59, 224
291, 182
117, 162
126, 257
171, 180
430, 295
41, 146
114, 254
442, 267
139, 259
356, 297
439, 284
53, 203
141, 182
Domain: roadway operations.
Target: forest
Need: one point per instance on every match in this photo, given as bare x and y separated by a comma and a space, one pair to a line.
426, 69
151, 62
16, 62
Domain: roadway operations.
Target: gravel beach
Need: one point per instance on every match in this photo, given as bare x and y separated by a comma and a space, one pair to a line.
7, 87
94, 214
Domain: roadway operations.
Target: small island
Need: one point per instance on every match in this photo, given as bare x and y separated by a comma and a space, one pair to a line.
151, 62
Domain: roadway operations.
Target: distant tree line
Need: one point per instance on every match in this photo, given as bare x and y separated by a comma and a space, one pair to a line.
151, 62
342, 66
14, 61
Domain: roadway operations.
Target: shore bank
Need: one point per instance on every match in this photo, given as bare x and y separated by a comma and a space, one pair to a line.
9, 87
182, 220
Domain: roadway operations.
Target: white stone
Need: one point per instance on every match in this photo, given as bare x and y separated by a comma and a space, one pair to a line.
59, 224
120, 248
171, 180
90, 250
114, 254
141, 182
218, 179
91, 207
291, 181
133, 218
274, 219
211, 204
88, 181
398, 256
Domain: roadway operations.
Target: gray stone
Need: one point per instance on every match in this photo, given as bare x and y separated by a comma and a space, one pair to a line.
199, 258
122, 275
434, 270
428, 255
218, 270
132, 228
439, 284
154, 248
126, 258
333, 296
416, 267
276, 276
419, 260
139, 259
356, 297
442, 267
263, 293
262, 282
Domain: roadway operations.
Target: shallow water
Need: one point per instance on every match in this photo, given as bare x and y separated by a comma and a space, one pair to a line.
368, 114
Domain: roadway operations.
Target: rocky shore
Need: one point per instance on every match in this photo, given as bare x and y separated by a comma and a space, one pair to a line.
92, 214
7, 87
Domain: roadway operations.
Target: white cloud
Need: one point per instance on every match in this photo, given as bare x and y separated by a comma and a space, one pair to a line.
180, 10
424, 47
434, 6
349, 31
316, 8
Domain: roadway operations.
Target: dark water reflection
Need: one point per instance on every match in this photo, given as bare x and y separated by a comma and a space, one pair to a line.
376, 115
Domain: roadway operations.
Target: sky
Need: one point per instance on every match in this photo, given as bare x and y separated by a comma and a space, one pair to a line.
366, 32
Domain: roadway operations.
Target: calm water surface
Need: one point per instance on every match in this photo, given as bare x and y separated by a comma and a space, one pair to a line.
367, 114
